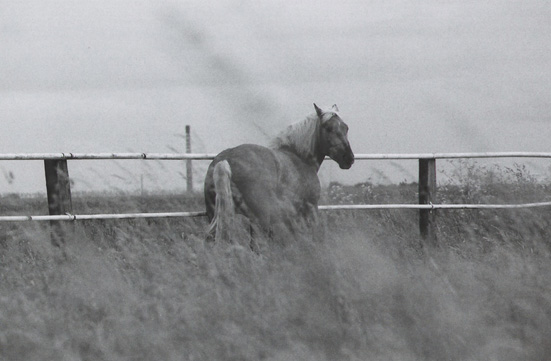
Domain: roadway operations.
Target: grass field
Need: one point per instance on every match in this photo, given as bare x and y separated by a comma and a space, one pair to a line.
369, 289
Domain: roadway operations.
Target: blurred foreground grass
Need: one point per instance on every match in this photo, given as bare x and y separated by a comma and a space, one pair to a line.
369, 290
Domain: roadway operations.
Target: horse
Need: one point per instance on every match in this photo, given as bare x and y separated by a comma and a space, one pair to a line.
275, 188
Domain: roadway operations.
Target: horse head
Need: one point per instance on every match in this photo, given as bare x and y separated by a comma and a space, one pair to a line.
333, 137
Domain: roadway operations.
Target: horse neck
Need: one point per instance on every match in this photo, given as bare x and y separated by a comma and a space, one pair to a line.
319, 155
315, 155
312, 154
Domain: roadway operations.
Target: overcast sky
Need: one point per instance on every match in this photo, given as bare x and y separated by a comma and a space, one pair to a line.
429, 76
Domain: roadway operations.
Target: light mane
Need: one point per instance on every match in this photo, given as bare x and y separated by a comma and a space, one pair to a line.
301, 137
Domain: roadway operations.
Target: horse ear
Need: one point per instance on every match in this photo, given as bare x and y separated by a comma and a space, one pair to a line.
318, 111
335, 108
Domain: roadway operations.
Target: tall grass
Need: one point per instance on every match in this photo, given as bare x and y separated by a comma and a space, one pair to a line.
368, 290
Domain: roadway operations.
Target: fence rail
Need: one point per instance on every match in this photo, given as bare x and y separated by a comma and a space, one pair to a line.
210, 156
339, 207
59, 195
106, 156
87, 217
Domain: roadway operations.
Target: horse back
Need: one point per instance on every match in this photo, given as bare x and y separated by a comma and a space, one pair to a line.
252, 168
265, 181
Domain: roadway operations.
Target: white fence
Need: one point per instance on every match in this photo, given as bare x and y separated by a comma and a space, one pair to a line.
59, 197
210, 156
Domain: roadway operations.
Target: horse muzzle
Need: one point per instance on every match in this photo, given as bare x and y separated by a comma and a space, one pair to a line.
343, 155
346, 161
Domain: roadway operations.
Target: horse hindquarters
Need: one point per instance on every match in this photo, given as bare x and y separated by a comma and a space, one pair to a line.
224, 208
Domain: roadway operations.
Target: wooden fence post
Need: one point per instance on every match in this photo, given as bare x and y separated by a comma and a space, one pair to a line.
59, 197
427, 194
189, 169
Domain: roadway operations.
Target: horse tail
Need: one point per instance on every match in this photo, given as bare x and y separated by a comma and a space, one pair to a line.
224, 208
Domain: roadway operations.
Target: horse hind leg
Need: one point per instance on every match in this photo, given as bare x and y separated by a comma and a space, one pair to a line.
256, 237
224, 208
